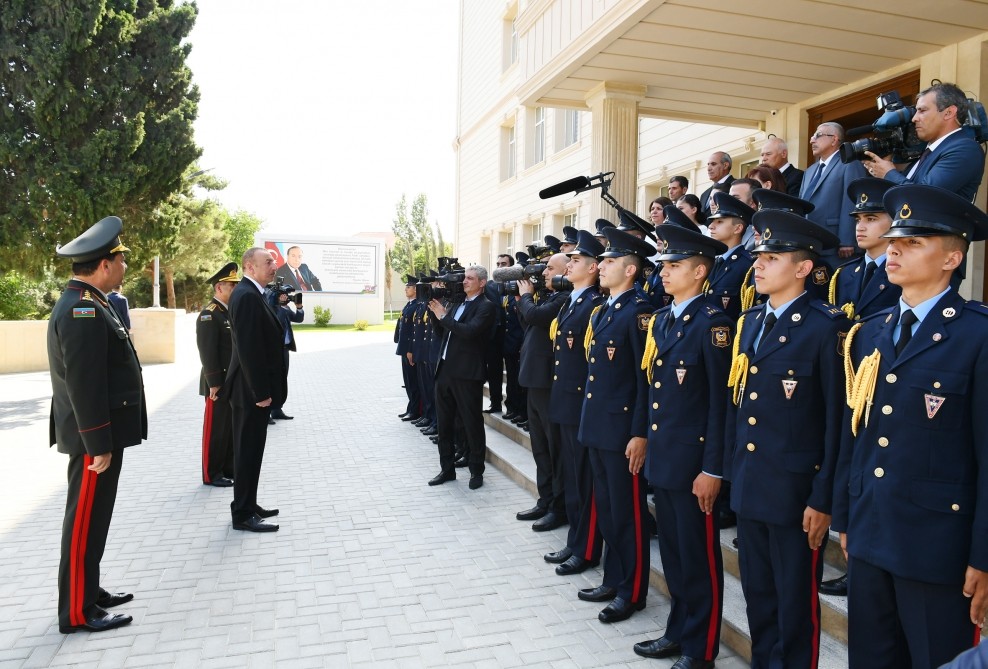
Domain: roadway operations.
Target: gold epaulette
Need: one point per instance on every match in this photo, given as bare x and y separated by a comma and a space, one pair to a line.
211, 306
848, 308
747, 291
832, 290
553, 329
860, 384
651, 349
588, 337
739, 367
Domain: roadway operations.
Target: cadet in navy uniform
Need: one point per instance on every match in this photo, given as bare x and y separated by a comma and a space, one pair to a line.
653, 289
583, 541
613, 426
782, 433
687, 357
404, 329
911, 498
422, 358
729, 219
569, 240
97, 410
861, 287
215, 344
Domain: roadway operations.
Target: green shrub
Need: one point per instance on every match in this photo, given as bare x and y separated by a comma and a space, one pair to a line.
27, 299
360, 325
322, 316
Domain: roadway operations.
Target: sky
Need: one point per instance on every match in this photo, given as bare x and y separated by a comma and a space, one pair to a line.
321, 113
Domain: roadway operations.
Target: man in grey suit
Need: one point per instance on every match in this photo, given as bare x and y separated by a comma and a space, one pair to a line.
825, 185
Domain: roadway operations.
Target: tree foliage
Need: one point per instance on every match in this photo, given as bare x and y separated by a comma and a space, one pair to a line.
416, 246
241, 228
96, 113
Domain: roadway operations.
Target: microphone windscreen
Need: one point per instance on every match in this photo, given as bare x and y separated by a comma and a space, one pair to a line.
568, 186
513, 273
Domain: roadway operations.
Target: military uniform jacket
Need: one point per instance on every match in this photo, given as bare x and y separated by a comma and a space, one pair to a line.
422, 328
785, 434
513, 333
614, 408
687, 399
878, 295
535, 368
404, 327
653, 289
570, 358
257, 366
215, 345
97, 390
908, 490
726, 280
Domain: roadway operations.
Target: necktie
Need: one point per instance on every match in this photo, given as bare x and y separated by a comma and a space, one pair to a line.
718, 265
906, 322
816, 178
301, 282
769, 324
868, 273
667, 324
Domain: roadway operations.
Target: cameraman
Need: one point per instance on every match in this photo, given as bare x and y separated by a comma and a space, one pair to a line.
278, 299
952, 159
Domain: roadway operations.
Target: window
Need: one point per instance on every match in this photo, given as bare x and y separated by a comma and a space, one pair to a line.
570, 128
509, 155
570, 220
533, 232
504, 242
535, 136
510, 45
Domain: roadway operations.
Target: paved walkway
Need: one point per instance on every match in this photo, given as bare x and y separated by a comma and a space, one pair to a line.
371, 568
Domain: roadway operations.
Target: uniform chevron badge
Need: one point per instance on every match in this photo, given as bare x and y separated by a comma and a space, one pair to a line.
610, 352
681, 375
569, 341
789, 386
725, 301
933, 404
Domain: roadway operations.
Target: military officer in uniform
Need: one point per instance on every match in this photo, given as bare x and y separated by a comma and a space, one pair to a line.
911, 498
97, 410
403, 338
613, 426
425, 372
215, 348
782, 433
686, 359
583, 541
729, 219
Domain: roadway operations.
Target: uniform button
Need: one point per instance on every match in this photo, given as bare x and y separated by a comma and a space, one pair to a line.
591, 378
751, 448
702, 439
816, 467
593, 360
655, 405
883, 441
658, 384
936, 384
887, 409
589, 395
879, 472
753, 370
752, 420
554, 377
658, 363
557, 362
625, 408
955, 507
557, 348
753, 396
125, 403
593, 342
891, 378
654, 427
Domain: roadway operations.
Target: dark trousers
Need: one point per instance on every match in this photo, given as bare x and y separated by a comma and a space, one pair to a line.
898, 623
250, 432
277, 407
463, 398
779, 576
409, 377
493, 358
584, 537
516, 399
545, 451
689, 542
427, 388
88, 510
217, 440
620, 497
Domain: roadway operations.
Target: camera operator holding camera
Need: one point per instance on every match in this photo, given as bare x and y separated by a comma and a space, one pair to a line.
278, 298
952, 159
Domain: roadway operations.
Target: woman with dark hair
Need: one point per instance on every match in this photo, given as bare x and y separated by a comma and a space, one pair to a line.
768, 177
655, 210
689, 204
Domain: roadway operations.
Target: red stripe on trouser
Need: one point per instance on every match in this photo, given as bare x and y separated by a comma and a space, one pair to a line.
592, 530
636, 591
207, 433
814, 610
977, 635
715, 592
80, 533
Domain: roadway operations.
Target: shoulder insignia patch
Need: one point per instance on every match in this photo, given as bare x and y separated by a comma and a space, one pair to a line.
841, 338
87, 296
211, 306
643, 321
84, 312
206, 317
720, 336
820, 276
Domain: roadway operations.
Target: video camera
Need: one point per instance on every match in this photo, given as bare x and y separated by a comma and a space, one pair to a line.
279, 287
451, 275
530, 272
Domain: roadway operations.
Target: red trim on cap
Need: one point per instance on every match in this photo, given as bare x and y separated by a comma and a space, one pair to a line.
207, 431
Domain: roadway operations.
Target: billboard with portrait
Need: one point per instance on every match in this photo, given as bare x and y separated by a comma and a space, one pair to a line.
327, 267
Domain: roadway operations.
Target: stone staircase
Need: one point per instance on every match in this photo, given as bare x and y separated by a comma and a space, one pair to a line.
509, 449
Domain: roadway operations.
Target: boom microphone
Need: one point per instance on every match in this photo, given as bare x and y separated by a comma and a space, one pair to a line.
513, 273
570, 185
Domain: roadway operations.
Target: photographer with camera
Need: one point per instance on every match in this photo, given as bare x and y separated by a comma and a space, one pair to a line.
278, 297
535, 374
952, 159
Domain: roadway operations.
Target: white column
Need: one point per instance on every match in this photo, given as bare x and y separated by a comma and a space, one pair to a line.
614, 110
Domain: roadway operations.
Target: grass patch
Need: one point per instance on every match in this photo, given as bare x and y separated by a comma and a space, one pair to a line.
386, 326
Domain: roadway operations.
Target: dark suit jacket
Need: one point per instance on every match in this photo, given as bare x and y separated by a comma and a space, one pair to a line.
535, 369
705, 197
830, 200
794, 180
956, 165
285, 272
97, 402
257, 367
121, 306
215, 345
467, 339
725, 283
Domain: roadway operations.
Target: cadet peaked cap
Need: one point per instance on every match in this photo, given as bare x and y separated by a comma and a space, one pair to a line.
620, 244
570, 234
928, 211
678, 243
784, 231
587, 245
766, 198
602, 224
723, 205
629, 222
227, 274
100, 240
867, 194
522, 258
552, 243
411, 279
674, 216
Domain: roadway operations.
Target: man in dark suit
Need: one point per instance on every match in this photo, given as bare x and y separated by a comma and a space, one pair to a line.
535, 374
296, 274
494, 292
215, 344
120, 304
404, 331
911, 500
97, 410
255, 381
719, 172
775, 153
953, 160
460, 375
825, 186
287, 313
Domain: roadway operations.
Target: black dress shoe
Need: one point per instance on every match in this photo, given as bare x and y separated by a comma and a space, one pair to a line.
518, 418
658, 648
511, 415
281, 415
687, 662
430, 431
271, 420
266, 513
618, 610
461, 462
402, 415
409, 417
434, 438
601, 593
494, 408
534, 513
558, 557
98, 621
574, 565
835, 586
255, 524
442, 477
523, 425
421, 421
107, 600
550, 521
476, 482
222, 482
